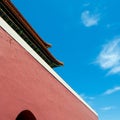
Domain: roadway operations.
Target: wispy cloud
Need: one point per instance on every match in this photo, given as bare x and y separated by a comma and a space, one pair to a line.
107, 108
110, 91
89, 19
86, 4
109, 57
86, 97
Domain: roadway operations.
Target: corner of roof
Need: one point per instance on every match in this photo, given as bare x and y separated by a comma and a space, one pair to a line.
40, 46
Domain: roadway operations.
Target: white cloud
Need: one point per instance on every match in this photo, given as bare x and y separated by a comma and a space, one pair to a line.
86, 97
109, 57
110, 91
107, 108
86, 4
89, 19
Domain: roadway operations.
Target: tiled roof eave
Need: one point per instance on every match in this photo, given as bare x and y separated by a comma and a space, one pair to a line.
18, 15
8, 13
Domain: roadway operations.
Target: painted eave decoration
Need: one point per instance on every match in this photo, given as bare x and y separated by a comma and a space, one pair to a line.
13, 17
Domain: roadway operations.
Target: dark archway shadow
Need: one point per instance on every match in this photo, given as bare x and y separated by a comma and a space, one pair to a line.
26, 115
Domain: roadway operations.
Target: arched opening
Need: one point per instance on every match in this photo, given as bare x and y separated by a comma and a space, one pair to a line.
26, 115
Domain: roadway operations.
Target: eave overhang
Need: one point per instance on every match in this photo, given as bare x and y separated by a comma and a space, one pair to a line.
13, 17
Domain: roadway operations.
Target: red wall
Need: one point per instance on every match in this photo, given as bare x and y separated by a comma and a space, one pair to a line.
26, 85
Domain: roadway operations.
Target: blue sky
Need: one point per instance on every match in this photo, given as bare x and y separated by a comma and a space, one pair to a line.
85, 35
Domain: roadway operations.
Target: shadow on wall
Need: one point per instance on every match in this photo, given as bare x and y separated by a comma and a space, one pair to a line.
26, 115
